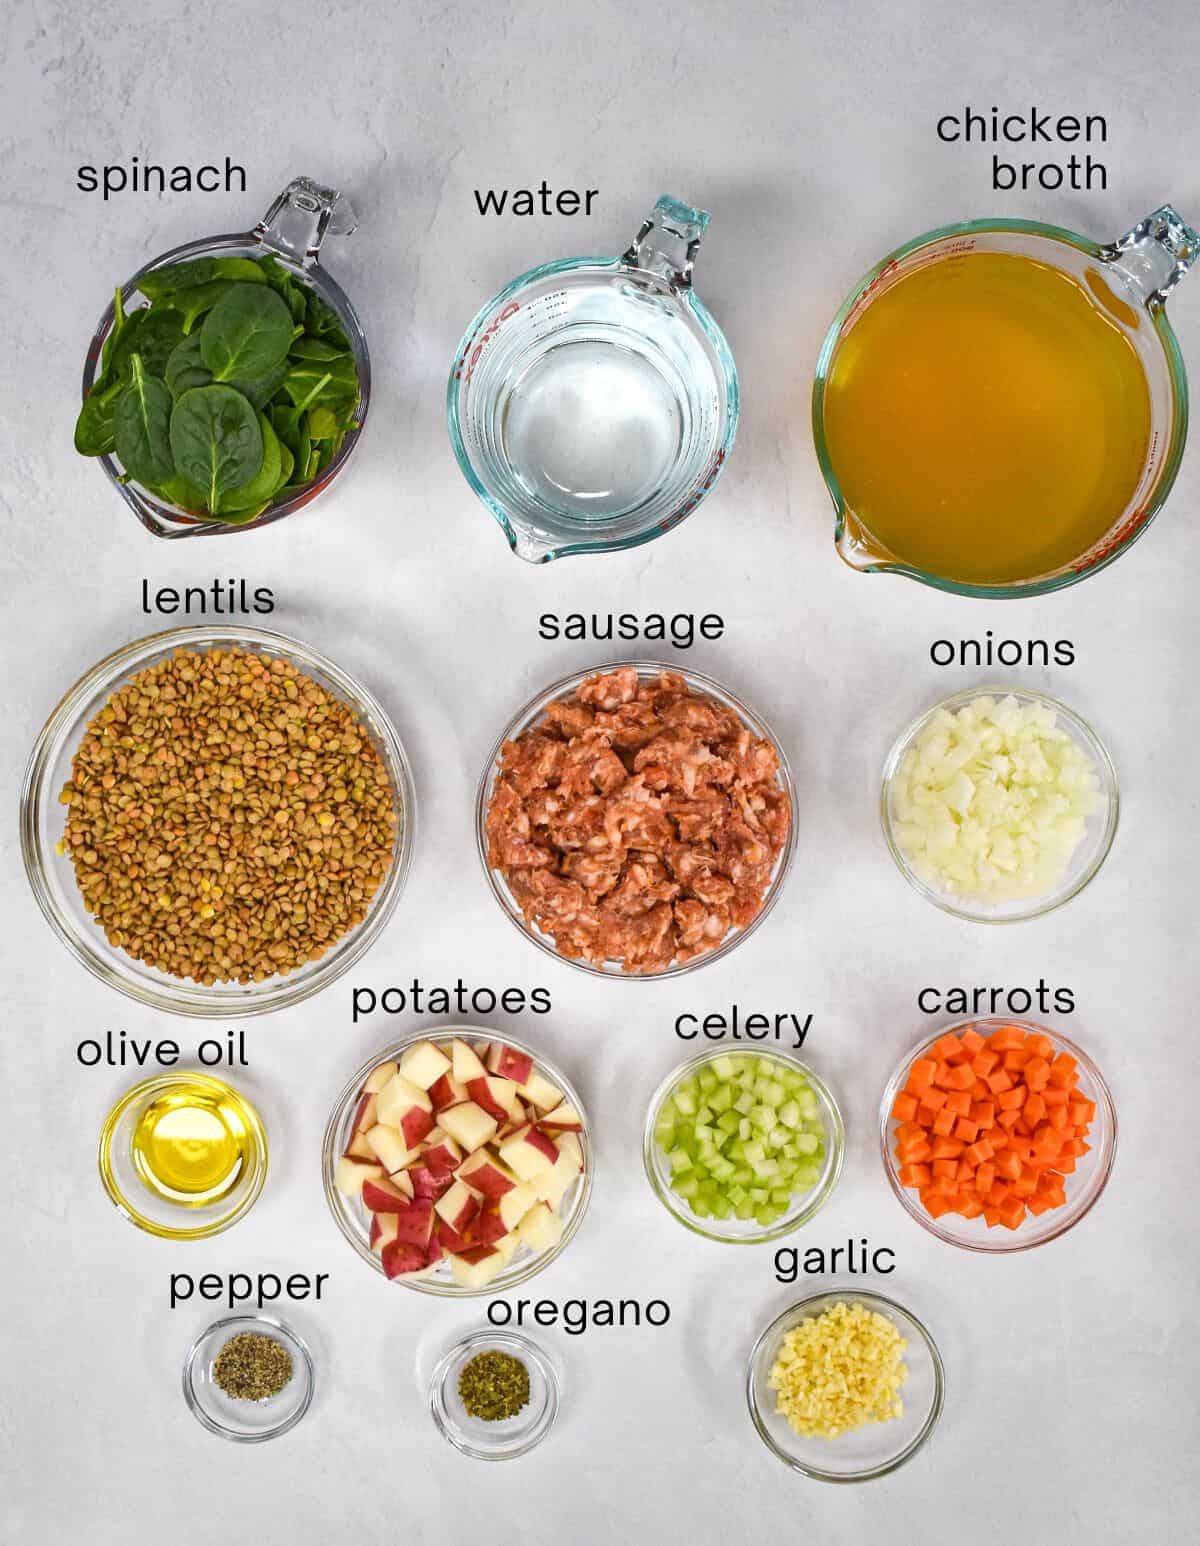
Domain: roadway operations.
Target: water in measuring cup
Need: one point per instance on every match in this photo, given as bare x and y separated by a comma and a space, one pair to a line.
593, 428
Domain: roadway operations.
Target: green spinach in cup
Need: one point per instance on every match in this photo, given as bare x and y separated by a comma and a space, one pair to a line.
232, 389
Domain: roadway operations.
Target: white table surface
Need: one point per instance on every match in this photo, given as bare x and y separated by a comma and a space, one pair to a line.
808, 131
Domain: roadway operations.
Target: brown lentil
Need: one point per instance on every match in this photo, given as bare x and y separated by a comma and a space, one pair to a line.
228, 818
251, 1367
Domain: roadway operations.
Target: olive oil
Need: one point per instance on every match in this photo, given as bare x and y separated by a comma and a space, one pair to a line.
193, 1143
987, 419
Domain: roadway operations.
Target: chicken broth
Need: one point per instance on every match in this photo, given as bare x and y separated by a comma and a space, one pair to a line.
987, 422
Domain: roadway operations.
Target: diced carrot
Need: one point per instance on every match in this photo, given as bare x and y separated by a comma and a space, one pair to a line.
920, 1076
1007, 1038
1009, 1118
904, 1107
1059, 1119
1026, 1183
1012, 1212
946, 1048
1034, 1107
935, 1203
984, 1062
991, 1217
947, 1148
999, 1193
1064, 1071
1039, 1204
966, 1130
1010, 1100
933, 1098
1039, 1046
979, 1090
959, 1102
983, 1112
1015, 1059
999, 1138
915, 1175
945, 1186
1008, 1166
972, 1040
1055, 1097
943, 1168
1037, 1073
1078, 1111
964, 1077
927, 1114
1065, 1163
969, 1205
985, 1178
909, 1130
966, 1172
945, 1074
979, 1152
943, 1123
1021, 1145
1076, 1147
998, 1081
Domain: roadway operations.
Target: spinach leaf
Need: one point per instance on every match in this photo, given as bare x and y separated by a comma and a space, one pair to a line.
322, 423
176, 276
192, 304
94, 426
262, 389
321, 321
185, 368
161, 330
286, 463
292, 294
244, 270
246, 334
216, 441
178, 491
141, 427
118, 367
291, 425
264, 482
306, 348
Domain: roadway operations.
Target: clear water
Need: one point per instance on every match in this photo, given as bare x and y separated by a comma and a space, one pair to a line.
592, 429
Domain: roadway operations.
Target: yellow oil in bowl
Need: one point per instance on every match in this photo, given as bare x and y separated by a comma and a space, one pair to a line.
183, 1155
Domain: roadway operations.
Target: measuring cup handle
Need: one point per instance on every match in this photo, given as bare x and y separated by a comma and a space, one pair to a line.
300, 218
668, 242
1155, 255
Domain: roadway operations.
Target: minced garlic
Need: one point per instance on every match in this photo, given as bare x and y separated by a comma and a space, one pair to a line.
839, 1371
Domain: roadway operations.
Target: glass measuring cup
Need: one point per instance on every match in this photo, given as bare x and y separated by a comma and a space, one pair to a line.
593, 402
1131, 279
292, 231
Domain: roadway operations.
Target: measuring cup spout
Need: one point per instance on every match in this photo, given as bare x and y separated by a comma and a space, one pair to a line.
301, 217
857, 547
533, 546
1155, 255
668, 241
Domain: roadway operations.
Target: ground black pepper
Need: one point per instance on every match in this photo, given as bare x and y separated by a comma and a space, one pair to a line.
251, 1367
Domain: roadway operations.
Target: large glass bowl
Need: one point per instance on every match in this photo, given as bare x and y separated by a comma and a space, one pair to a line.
291, 232
734, 1231
1083, 1187
53, 879
354, 1220
530, 714
868, 1452
1088, 856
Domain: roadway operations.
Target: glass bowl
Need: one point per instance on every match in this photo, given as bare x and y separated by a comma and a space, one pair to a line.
508, 1437
1089, 855
864, 1453
244, 1421
353, 1219
1083, 1187
136, 1200
291, 232
805, 1205
529, 715
53, 879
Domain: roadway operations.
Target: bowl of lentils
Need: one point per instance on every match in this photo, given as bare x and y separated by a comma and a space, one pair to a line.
217, 821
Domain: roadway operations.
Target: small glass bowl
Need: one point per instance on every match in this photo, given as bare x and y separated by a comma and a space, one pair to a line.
864, 1453
353, 1219
246, 1422
511, 1436
281, 235
158, 1215
805, 1205
1088, 856
53, 879
529, 715
1083, 1187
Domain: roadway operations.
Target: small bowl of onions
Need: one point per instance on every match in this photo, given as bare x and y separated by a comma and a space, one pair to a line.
999, 804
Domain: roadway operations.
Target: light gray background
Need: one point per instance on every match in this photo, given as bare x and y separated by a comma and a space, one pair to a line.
808, 131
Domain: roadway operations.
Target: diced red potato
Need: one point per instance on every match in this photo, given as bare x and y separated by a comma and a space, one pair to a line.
389, 1148
528, 1152
378, 1077
366, 1115
424, 1064
360, 1149
398, 1096
551, 1185
485, 1172
450, 1239
540, 1228
440, 1152
508, 1063
415, 1224
447, 1091
382, 1195
350, 1174
458, 1205
515, 1204
564, 1118
466, 1062
400, 1258
497, 1096
469, 1125
383, 1230
429, 1183
569, 1145
489, 1226
538, 1090
475, 1276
